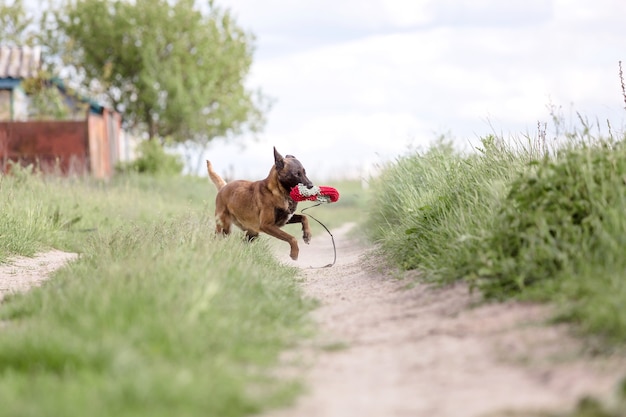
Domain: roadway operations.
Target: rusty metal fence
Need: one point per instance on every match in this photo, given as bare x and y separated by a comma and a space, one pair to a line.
83, 147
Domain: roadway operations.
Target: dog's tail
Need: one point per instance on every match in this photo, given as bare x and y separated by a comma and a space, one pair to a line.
217, 180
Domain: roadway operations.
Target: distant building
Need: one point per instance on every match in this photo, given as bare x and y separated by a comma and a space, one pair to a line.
16, 64
88, 140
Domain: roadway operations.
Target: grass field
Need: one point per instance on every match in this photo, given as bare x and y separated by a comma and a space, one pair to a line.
157, 317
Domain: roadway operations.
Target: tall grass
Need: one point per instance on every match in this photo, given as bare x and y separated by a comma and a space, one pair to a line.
516, 221
40, 211
430, 210
156, 317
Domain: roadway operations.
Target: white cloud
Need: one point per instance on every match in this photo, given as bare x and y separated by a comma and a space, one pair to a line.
273, 16
360, 131
598, 12
491, 13
403, 13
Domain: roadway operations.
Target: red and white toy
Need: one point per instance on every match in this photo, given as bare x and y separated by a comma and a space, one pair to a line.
321, 193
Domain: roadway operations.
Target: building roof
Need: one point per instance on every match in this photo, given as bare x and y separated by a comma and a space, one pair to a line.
94, 106
19, 61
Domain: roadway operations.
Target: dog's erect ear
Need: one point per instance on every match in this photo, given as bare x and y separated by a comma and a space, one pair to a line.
278, 160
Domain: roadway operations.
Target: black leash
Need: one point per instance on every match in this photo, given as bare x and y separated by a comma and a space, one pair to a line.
331, 236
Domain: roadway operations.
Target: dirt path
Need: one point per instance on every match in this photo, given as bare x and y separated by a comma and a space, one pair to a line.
389, 350
23, 273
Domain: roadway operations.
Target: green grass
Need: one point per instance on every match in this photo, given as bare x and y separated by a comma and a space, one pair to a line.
431, 210
515, 222
44, 212
157, 316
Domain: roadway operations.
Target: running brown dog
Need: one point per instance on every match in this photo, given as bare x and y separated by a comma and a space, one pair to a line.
262, 206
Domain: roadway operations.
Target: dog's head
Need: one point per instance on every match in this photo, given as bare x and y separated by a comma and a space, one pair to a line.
290, 171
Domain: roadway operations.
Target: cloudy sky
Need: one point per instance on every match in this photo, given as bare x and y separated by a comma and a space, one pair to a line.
358, 82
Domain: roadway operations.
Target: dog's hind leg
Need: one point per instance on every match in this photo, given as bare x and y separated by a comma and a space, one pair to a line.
306, 231
222, 224
251, 235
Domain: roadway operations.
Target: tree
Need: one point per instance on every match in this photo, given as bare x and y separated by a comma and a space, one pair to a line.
171, 67
15, 24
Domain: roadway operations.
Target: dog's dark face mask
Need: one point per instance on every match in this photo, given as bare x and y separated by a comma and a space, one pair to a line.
290, 171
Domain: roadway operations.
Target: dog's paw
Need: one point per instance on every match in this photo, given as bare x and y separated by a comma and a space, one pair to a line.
307, 237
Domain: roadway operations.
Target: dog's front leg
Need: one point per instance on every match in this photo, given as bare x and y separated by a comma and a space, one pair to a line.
276, 232
306, 231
